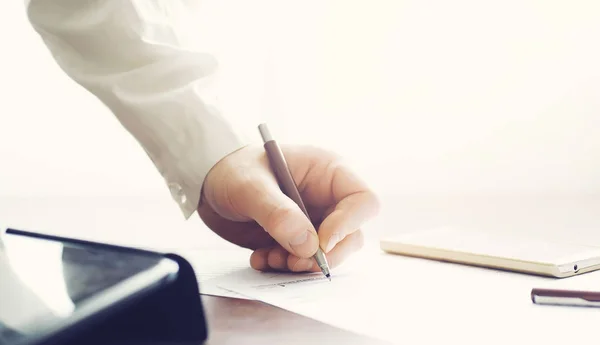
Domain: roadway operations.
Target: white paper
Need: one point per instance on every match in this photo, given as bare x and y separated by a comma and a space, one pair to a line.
212, 263
414, 301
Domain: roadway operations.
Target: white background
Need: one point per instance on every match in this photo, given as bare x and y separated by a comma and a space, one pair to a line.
422, 97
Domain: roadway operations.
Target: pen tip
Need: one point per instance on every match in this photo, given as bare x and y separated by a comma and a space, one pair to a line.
328, 276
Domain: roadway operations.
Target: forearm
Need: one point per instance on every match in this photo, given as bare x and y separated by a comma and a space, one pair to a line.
131, 55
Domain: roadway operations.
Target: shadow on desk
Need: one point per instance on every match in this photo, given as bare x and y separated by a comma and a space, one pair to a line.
238, 321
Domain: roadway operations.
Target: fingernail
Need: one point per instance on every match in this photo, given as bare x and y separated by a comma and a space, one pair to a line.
305, 245
300, 239
333, 240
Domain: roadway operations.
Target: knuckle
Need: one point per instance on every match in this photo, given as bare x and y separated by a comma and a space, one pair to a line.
375, 201
359, 240
329, 153
322, 153
273, 259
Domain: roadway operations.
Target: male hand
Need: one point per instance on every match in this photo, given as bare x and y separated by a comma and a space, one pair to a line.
243, 204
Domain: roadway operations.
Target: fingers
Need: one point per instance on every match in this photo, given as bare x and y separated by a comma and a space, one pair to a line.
273, 258
329, 183
278, 259
346, 247
259, 259
356, 205
349, 215
260, 198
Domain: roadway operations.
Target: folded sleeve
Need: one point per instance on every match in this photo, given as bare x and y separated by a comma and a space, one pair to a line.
135, 57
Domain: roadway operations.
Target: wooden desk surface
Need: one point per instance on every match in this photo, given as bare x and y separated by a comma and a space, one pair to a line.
240, 322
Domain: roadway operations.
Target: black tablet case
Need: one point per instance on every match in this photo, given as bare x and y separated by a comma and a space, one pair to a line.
172, 314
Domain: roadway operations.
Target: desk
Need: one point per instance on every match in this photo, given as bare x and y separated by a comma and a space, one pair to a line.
241, 322
126, 222
471, 320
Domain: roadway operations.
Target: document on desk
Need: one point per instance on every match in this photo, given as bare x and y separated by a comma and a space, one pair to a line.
348, 301
415, 301
210, 264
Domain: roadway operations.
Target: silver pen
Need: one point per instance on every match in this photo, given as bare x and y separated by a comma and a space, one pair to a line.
288, 186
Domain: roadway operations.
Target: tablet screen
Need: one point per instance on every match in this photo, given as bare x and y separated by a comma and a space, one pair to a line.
44, 281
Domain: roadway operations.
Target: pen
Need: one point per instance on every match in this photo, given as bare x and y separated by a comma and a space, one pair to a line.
288, 186
573, 298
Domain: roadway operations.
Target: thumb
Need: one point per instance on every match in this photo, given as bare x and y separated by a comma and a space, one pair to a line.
279, 215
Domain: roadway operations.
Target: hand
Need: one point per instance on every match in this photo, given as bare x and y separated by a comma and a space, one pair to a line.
243, 204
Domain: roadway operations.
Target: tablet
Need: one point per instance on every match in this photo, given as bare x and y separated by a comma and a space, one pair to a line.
46, 286
497, 251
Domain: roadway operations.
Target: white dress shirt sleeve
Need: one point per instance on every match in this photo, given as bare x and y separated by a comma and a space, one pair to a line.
133, 56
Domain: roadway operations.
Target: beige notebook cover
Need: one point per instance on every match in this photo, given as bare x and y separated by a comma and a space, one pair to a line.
495, 250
